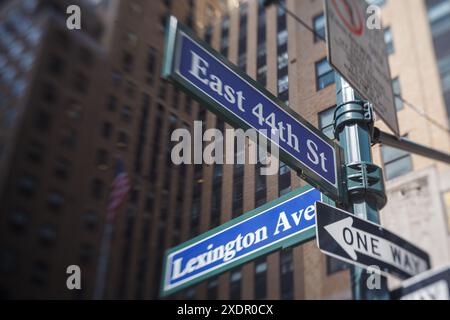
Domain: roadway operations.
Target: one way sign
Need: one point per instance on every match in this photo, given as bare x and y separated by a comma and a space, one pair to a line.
430, 285
360, 242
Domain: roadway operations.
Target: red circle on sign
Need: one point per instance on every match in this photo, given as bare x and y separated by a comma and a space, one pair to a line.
353, 19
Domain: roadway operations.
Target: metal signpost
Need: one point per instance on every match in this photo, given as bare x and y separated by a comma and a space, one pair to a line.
360, 56
278, 224
231, 94
430, 285
363, 243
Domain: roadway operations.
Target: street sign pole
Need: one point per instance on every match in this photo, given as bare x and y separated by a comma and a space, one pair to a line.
353, 126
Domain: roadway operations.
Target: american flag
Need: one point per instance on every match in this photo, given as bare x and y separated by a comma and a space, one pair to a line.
119, 189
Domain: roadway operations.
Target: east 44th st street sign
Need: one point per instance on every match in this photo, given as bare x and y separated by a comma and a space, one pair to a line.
360, 242
229, 93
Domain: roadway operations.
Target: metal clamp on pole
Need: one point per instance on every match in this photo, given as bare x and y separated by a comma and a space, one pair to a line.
366, 179
363, 179
353, 111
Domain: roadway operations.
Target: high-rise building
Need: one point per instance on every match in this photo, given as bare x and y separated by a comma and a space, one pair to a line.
74, 101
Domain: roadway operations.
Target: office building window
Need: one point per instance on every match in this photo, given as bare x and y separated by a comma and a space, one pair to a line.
127, 61
97, 189
47, 234
396, 162
19, 220
27, 185
260, 185
42, 120
211, 288
55, 200
388, 39
112, 103
126, 114
62, 168
283, 84
319, 27
397, 94
102, 158
151, 65
284, 179
261, 66
287, 274
324, 74
261, 75
238, 190
35, 151
235, 284
190, 293
80, 82
56, 65
90, 220
216, 196
224, 43
326, 119
261, 279
242, 45
106, 130
335, 265
208, 34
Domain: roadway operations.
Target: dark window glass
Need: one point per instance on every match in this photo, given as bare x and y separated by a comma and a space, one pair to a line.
326, 119
212, 289
55, 201
319, 27
396, 162
335, 265
106, 130
287, 274
397, 94
235, 284
324, 74
389, 40
261, 278
62, 168
97, 189
42, 120
56, 65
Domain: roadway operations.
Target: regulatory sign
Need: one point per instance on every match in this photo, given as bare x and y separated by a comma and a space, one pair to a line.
361, 242
242, 102
359, 54
430, 285
278, 224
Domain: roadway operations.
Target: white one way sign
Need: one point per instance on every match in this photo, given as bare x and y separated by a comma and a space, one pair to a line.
346, 237
430, 285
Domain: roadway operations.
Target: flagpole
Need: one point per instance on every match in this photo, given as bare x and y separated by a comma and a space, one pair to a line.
103, 259
120, 188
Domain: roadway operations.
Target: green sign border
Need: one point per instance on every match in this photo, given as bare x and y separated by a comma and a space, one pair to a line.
289, 242
172, 33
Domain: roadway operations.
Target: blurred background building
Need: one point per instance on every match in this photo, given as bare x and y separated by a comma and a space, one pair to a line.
73, 101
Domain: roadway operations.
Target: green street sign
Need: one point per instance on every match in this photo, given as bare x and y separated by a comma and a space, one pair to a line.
281, 223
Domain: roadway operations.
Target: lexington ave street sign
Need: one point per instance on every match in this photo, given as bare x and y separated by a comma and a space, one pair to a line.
361, 242
242, 102
359, 54
430, 285
278, 224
